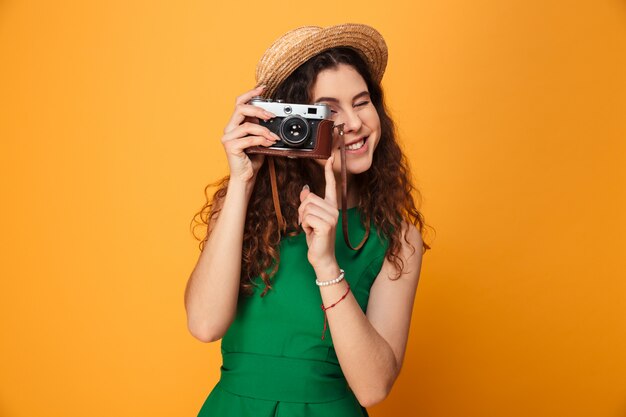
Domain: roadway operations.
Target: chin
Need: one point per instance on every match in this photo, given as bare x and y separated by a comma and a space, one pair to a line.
355, 167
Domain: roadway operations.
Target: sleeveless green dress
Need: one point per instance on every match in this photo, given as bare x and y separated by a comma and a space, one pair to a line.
274, 360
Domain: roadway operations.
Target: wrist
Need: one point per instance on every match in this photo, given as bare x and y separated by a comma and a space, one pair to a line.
241, 186
328, 271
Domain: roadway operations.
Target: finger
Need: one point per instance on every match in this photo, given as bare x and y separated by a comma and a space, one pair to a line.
247, 112
312, 223
308, 229
319, 212
249, 128
304, 192
331, 188
236, 146
239, 114
245, 97
252, 111
315, 200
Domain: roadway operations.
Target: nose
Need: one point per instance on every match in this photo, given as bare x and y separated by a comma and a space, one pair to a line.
352, 121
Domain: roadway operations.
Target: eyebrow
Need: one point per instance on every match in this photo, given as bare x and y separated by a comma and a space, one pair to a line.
334, 100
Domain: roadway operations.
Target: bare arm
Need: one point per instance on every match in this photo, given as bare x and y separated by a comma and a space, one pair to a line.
213, 287
371, 347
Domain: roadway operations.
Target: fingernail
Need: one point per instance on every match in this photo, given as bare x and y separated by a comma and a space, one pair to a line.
269, 114
275, 135
306, 187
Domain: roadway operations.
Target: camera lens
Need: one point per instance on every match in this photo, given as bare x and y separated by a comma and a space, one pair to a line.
294, 131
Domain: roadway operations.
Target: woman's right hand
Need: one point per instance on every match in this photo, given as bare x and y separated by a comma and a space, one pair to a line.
243, 131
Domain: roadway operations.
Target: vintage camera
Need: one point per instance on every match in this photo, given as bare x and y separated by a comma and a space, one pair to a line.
305, 130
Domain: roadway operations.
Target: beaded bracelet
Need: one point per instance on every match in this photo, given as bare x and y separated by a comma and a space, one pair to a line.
332, 281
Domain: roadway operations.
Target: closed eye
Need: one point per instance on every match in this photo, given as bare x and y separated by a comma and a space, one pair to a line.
363, 103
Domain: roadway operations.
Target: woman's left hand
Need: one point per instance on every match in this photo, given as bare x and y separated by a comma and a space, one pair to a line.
318, 217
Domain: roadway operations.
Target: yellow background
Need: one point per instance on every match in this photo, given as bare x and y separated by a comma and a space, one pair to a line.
513, 115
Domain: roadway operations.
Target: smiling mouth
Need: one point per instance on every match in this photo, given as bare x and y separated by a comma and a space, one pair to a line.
357, 145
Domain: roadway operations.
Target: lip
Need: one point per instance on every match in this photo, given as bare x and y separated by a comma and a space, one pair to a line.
356, 140
362, 149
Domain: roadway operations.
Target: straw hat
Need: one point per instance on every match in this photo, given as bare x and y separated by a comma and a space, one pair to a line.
298, 45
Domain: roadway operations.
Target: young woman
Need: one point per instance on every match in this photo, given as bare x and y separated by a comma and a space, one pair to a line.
291, 347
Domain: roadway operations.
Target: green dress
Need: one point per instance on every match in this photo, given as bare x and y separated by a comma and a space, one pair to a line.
275, 362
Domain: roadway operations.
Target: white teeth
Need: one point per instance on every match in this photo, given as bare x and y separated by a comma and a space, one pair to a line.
356, 145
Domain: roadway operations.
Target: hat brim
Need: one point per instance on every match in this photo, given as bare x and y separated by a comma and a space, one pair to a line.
297, 46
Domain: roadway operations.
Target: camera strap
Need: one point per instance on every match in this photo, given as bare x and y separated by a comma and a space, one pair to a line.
282, 225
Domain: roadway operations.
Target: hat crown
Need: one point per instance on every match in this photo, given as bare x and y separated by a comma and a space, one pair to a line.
288, 40
298, 45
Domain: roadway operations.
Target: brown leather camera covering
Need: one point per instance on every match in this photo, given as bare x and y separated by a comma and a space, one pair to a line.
323, 145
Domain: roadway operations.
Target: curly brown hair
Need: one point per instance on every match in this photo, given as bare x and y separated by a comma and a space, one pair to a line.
388, 197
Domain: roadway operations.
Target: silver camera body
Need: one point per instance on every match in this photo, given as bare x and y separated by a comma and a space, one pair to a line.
295, 124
